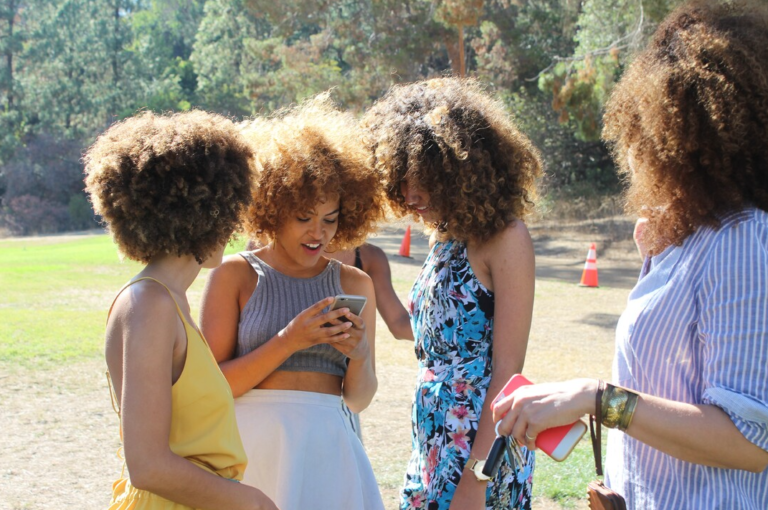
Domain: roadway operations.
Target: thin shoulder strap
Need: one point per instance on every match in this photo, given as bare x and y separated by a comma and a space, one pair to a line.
334, 272
154, 280
358, 259
112, 394
254, 261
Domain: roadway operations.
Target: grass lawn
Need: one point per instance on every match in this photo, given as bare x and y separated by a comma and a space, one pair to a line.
54, 294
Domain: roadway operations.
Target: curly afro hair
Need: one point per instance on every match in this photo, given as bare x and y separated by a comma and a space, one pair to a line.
691, 116
176, 184
303, 155
448, 137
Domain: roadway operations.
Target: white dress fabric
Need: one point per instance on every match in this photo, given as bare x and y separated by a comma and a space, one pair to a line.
303, 453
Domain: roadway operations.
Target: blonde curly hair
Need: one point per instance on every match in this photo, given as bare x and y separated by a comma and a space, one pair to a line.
170, 184
692, 113
451, 139
304, 155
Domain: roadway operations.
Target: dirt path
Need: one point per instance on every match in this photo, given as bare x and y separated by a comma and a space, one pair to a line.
59, 435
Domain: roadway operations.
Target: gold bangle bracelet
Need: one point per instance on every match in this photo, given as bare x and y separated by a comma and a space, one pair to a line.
629, 410
618, 407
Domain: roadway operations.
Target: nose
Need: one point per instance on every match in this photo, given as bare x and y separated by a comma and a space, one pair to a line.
317, 230
410, 194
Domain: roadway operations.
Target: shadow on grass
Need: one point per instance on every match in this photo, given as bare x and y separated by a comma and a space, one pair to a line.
601, 320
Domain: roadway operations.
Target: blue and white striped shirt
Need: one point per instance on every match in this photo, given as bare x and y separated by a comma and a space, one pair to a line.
696, 330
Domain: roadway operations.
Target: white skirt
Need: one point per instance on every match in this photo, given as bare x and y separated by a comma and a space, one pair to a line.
303, 453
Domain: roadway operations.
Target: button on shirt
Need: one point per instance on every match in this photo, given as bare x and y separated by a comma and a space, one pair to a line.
695, 330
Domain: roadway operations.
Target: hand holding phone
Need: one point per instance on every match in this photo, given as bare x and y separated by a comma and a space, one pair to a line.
356, 304
557, 442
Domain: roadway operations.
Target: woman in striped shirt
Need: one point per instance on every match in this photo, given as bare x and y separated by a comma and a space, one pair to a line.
689, 126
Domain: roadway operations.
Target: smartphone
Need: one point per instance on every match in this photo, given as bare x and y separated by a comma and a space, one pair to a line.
354, 303
556, 442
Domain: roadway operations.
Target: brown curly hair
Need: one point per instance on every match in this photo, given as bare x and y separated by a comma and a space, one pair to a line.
170, 184
307, 153
450, 138
692, 112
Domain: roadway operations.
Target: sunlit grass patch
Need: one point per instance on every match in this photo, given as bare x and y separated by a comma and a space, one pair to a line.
29, 335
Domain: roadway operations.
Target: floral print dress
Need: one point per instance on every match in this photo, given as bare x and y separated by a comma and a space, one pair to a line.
452, 319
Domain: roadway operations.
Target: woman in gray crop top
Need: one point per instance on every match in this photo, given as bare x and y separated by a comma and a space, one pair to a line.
265, 312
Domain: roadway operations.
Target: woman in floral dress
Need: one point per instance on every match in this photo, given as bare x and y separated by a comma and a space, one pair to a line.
451, 156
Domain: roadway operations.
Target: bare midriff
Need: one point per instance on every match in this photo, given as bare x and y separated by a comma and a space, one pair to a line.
302, 381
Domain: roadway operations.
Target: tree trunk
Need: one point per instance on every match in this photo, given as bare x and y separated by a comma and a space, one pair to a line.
115, 63
12, 6
462, 68
453, 50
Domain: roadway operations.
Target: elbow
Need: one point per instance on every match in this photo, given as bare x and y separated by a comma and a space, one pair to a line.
405, 334
360, 402
402, 330
755, 460
143, 476
236, 387
752, 463
754, 466
145, 472
757, 465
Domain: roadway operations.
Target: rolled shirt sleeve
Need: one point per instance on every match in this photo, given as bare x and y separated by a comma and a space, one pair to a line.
733, 300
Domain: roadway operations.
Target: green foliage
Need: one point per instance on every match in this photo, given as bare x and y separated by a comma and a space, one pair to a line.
220, 57
609, 33
75, 70
163, 36
568, 160
11, 130
70, 68
80, 213
11, 42
580, 91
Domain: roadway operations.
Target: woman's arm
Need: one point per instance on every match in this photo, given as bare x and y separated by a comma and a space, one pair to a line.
226, 292
732, 327
360, 382
702, 434
148, 330
389, 305
510, 259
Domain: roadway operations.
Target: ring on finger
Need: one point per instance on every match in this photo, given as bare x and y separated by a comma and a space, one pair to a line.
529, 438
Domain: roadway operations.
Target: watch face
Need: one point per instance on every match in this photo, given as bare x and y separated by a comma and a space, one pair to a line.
478, 470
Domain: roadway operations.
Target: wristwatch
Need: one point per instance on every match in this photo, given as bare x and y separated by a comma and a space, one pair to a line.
476, 466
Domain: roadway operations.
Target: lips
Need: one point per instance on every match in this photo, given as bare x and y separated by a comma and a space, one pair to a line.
312, 248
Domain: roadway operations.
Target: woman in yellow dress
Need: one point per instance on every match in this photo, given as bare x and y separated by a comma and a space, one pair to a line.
171, 190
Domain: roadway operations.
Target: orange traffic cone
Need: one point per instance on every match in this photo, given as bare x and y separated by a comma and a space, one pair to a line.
405, 246
589, 276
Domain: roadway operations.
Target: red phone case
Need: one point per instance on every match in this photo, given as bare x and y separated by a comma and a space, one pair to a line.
556, 442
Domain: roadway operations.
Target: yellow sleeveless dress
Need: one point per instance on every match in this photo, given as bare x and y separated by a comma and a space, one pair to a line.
203, 425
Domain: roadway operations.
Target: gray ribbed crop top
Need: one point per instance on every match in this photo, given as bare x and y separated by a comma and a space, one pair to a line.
279, 298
